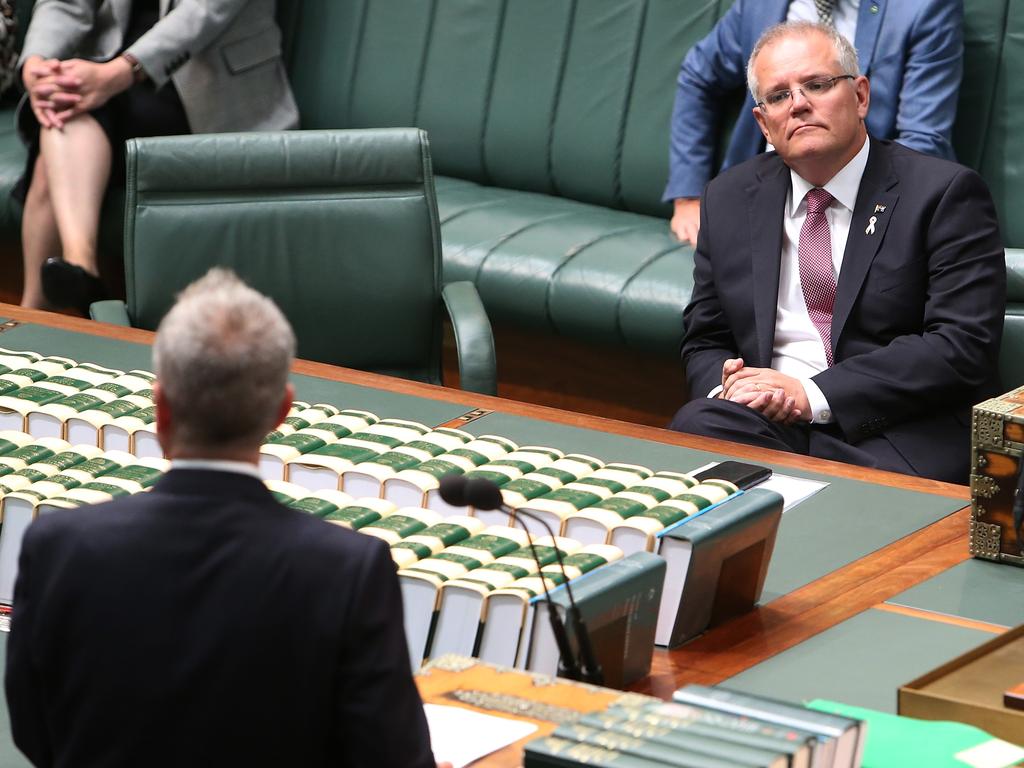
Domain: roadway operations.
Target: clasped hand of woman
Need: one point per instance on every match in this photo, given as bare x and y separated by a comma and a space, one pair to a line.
61, 90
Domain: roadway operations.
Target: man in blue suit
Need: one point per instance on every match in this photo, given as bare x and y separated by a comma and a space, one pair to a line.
911, 51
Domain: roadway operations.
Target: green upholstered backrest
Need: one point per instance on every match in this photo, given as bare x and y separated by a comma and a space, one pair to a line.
570, 97
1011, 354
996, 139
339, 227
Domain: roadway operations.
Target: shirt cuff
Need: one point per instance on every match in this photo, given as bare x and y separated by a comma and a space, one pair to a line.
820, 412
716, 391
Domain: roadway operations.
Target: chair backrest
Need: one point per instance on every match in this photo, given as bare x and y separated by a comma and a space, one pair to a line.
340, 228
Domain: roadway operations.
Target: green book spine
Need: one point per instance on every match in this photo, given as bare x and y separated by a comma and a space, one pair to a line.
733, 728
556, 752
677, 756
688, 735
356, 517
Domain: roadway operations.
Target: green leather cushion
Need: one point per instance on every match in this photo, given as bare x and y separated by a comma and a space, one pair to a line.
12, 164
1002, 162
566, 267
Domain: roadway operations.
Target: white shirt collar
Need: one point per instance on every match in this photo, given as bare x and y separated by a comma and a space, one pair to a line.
218, 465
843, 186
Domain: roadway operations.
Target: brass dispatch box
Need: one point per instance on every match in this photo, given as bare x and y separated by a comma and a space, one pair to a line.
997, 444
969, 689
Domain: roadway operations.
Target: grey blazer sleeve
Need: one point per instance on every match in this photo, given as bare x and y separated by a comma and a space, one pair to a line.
58, 28
187, 29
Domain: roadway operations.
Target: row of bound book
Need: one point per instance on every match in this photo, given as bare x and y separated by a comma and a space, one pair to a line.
705, 727
323, 447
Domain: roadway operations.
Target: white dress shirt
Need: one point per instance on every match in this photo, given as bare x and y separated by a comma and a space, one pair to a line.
798, 350
844, 15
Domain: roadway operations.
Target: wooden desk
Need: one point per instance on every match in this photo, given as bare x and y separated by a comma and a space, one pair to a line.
794, 615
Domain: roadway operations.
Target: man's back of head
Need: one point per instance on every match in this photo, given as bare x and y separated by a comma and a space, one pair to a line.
222, 356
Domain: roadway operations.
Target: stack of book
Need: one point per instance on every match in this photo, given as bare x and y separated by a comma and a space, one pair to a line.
706, 727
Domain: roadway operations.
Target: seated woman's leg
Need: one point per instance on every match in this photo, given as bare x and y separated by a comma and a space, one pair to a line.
39, 237
77, 167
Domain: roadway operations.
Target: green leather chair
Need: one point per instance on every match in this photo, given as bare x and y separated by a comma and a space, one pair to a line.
340, 228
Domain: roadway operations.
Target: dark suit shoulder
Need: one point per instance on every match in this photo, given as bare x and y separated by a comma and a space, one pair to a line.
909, 164
734, 180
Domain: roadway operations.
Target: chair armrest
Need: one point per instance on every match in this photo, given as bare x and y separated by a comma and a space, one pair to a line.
473, 337
111, 311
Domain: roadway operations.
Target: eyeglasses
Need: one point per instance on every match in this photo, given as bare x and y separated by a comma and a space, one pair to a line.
776, 101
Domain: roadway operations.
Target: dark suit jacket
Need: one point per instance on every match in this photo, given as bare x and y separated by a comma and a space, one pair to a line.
919, 303
204, 624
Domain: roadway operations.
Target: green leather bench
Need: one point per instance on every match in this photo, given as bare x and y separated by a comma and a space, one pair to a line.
548, 124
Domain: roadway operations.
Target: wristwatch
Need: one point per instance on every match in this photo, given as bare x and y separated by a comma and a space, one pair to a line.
138, 73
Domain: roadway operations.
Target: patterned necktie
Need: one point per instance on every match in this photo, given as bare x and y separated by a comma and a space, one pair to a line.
817, 275
825, 11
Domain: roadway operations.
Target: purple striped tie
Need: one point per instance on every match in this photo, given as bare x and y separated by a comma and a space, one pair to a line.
817, 275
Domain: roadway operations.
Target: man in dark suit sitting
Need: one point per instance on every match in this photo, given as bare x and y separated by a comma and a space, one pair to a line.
848, 292
203, 623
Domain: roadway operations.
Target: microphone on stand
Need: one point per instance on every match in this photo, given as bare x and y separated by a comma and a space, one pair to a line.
481, 493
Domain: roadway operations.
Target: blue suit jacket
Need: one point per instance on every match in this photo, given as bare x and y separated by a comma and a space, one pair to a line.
911, 50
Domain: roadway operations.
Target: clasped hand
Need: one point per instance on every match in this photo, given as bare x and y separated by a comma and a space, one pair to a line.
61, 90
779, 397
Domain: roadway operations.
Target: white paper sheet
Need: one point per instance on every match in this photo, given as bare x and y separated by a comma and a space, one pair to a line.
793, 489
460, 736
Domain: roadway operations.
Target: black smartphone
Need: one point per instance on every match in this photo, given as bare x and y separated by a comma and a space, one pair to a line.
742, 475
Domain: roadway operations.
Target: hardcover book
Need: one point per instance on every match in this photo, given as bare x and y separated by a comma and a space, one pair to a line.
556, 507
717, 561
276, 452
618, 602
367, 478
87, 426
423, 594
417, 486
505, 469
322, 467
662, 720
593, 525
842, 737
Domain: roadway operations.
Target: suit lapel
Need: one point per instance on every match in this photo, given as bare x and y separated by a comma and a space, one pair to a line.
868, 23
876, 200
766, 201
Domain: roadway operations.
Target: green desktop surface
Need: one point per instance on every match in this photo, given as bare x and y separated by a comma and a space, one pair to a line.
861, 661
975, 589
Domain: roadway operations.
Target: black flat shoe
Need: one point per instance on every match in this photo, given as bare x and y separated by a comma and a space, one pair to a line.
68, 285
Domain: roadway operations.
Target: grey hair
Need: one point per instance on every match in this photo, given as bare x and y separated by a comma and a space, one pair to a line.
846, 54
222, 356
